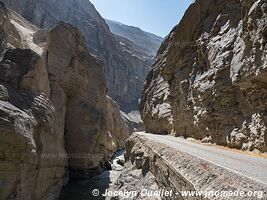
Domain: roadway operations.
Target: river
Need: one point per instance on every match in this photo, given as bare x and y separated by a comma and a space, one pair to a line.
82, 189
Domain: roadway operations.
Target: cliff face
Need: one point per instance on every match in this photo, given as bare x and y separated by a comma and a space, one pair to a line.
78, 84
126, 70
209, 78
54, 113
27, 117
116, 125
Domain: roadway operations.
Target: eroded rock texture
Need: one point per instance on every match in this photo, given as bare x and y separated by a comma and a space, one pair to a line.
54, 113
127, 66
209, 79
27, 115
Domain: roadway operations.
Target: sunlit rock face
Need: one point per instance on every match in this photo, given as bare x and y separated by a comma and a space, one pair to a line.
126, 64
209, 78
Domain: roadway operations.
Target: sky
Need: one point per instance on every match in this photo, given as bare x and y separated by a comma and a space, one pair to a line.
155, 16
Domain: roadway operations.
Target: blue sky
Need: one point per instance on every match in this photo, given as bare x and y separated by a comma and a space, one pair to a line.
155, 16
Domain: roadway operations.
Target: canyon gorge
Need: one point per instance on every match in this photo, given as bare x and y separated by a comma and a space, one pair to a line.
90, 103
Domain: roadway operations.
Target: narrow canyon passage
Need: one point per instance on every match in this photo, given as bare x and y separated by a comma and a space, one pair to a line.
92, 93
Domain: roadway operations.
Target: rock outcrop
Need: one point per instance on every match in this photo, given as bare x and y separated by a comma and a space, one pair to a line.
54, 113
209, 78
126, 69
27, 118
78, 83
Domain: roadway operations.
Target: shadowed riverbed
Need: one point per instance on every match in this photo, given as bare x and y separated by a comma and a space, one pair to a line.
82, 189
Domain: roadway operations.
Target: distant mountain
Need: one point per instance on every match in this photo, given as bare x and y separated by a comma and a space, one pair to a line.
147, 42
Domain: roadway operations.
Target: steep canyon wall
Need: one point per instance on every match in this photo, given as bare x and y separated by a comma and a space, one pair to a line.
209, 78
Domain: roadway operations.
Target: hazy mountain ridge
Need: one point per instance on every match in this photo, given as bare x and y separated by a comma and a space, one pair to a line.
147, 42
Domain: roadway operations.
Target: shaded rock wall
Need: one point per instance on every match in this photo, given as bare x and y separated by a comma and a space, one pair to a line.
116, 126
78, 81
209, 78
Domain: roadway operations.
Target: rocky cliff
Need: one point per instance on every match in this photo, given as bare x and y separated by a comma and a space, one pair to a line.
209, 78
54, 113
27, 117
78, 81
116, 125
147, 42
126, 70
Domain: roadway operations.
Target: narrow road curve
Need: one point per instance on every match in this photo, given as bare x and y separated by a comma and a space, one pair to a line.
250, 166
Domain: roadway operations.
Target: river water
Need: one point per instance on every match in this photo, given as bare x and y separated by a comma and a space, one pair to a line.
82, 189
